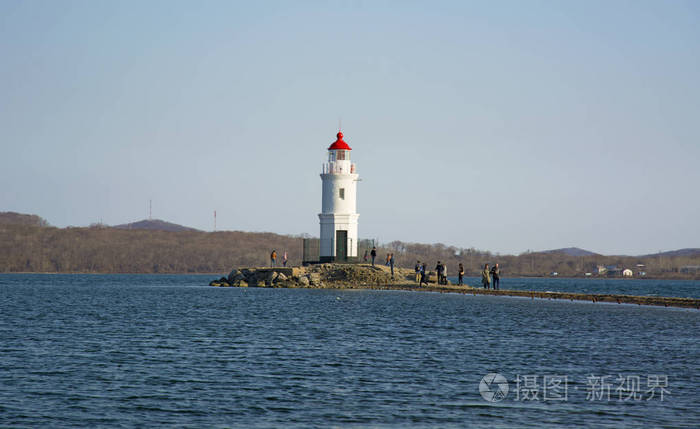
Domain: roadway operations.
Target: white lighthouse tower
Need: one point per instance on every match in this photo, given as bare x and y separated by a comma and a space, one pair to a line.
339, 215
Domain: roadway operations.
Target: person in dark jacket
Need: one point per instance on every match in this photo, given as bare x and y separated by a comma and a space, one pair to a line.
423, 279
391, 262
438, 270
461, 274
486, 277
496, 276
373, 253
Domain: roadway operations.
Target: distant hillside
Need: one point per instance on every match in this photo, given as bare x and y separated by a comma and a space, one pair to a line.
571, 251
28, 245
12, 218
155, 225
691, 252
28, 248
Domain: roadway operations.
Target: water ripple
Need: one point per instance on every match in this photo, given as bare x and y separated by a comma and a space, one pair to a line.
123, 351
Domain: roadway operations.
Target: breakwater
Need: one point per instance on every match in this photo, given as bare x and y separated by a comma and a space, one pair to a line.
379, 277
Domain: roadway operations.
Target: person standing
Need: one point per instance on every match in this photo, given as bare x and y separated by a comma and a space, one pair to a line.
496, 276
284, 259
374, 254
391, 262
422, 275
461, 274
438, 270
417, 269
485, 277
365, 257
273, 258
444, 273
388, 256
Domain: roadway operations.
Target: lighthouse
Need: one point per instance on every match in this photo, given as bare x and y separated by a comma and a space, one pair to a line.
338, 215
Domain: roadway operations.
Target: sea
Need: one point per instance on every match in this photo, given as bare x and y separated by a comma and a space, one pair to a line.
169, 351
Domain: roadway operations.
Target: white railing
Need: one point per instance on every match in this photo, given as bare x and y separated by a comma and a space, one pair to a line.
333, 168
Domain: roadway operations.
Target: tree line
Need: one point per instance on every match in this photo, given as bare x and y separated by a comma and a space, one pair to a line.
34, 247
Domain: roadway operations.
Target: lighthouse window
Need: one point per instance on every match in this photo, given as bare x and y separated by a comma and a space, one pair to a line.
342, 193
341, 155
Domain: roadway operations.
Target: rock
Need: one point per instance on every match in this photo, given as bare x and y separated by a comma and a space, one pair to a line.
304, 281
252, 280
233, 275
279, 277
315, 279
269, 277
236, 279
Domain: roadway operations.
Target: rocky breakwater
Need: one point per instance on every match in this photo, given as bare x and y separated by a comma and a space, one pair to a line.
364, 276
318, 276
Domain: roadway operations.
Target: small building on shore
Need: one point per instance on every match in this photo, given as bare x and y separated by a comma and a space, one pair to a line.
627, 272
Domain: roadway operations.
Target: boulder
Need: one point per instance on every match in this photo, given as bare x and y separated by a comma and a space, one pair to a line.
279, 277
269, 277
233, 275
315, 279
252, 279
304, 281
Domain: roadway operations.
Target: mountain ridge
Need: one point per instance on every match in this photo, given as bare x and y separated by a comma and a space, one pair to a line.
155, 225
572, 251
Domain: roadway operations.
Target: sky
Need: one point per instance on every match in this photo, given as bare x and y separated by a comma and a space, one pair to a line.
505, 126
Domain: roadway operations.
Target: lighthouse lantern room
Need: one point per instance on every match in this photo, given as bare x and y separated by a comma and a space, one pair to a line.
338, 215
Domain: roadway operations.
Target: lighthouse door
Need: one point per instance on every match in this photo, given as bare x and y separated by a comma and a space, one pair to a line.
341, 245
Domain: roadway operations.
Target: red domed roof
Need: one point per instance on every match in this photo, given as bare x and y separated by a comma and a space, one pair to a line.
339, 144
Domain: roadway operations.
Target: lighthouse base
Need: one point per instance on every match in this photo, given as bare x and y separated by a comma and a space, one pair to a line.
338, 241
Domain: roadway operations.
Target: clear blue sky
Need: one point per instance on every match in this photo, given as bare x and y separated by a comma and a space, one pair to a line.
504, 126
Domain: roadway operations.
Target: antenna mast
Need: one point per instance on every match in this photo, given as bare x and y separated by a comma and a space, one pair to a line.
214, 220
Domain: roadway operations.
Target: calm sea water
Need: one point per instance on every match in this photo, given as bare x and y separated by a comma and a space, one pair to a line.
679, 288
129, 350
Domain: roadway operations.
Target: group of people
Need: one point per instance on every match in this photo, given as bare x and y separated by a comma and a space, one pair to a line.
273, 258
492, 276
389, 259
440, 269
488, 276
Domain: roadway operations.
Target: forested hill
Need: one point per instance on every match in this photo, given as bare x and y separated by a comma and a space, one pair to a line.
28, 248
12, 218
29, 245
155, 225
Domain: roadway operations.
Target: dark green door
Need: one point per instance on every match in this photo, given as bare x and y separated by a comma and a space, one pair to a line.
341, 245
